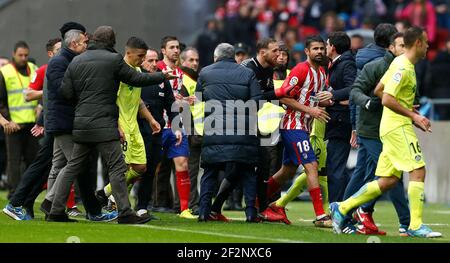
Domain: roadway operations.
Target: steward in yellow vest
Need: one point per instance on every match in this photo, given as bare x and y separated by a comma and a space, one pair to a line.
20, 111
19, 115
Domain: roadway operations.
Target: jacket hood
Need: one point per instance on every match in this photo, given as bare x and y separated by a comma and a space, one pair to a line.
367, 54
389, 57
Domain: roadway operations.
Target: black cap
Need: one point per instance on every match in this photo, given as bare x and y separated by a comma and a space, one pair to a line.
240, 48
70, 26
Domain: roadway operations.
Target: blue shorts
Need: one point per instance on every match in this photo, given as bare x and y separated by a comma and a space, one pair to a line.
297, 147
169, 140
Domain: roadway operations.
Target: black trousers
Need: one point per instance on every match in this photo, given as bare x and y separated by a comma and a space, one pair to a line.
163, 193
35, 176
263, 171
236, 172
20, 145
195, 150
153, 149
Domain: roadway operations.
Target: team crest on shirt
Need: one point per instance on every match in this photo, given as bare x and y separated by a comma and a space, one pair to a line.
397, 77
293, 81
305, 156
418, 158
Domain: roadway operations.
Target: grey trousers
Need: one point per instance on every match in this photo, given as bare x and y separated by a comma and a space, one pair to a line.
62, 151
112, 153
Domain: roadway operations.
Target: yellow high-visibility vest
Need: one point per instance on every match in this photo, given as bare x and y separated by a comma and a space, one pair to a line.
197, 109
270, 115
20, 111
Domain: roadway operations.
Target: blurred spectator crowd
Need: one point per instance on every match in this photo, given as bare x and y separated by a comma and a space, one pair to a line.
292, 21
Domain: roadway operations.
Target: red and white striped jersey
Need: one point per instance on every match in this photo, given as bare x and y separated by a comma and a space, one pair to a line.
176, 85
307, 82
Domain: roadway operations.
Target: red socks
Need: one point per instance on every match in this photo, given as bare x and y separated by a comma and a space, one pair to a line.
316, 197
184, 189
71, 200
272, 188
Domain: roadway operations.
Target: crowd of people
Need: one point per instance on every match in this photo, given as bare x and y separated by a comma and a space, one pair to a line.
248, 111
292, 21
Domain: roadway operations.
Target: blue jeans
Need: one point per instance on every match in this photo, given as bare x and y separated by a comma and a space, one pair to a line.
366, 164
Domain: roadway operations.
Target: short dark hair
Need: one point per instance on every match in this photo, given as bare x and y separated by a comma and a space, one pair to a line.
395, 36
106, 35
21, 44
340, 40
137, 43
383, 33
264, 43
154, 50
312, 39
51, 43
166, 39
411, 35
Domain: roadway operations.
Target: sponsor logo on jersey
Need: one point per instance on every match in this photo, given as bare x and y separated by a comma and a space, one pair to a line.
293, 81
397, 77
418, 158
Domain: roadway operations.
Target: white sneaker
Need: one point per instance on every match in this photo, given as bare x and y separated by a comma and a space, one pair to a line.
141, 212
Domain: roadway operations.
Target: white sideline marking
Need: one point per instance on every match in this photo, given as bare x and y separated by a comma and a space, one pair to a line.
221, 235
445, 212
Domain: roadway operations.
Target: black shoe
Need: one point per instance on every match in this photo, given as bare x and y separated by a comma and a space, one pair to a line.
134, 219
101, 197
45, 208
202, 218
60, 218
195, 212
253, 219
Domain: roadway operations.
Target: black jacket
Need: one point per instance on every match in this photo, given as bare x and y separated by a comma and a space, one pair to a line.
342, 74
92, 81
222, 81
264, 77
59, 111
157, 98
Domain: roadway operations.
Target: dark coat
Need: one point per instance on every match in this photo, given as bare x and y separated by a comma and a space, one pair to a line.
59, 111
342, 74
222, 81
368, 54
92, 81
368, 122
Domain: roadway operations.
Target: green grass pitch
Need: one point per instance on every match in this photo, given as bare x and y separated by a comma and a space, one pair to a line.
173, 229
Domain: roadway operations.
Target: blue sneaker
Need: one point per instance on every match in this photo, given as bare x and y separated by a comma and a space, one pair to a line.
349, 229
103, 217
337, 217
423, 231
16, 213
